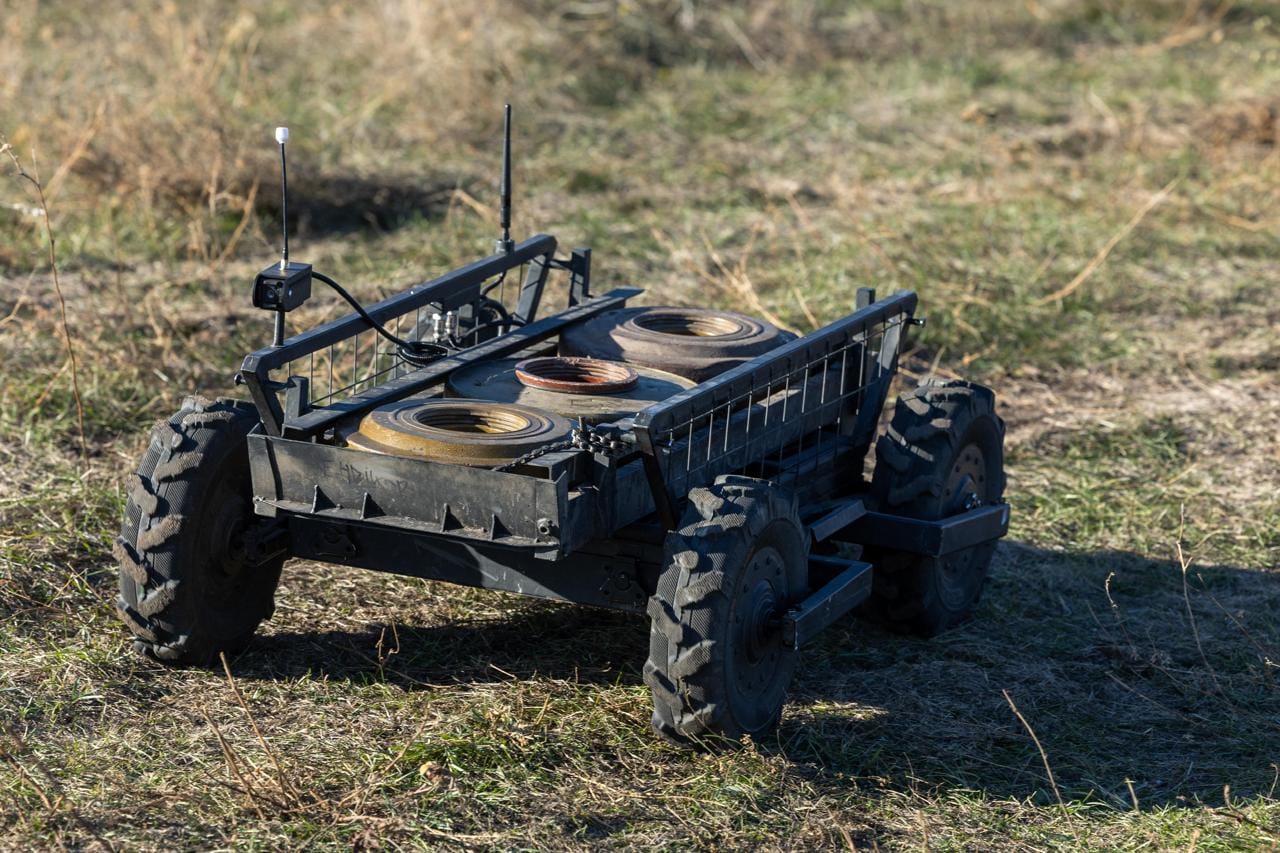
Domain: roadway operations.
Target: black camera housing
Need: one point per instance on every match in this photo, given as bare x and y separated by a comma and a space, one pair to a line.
282, 289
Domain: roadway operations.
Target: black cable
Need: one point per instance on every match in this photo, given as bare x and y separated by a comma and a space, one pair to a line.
505, 322
422, 352
351, 300
495, 305
414, 352
497, 282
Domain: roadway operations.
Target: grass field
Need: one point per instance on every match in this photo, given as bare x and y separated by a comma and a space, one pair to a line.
1086, 195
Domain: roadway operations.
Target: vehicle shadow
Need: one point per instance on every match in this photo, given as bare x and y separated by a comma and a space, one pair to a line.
1140, 690
1137, 689
537, 639
324, 204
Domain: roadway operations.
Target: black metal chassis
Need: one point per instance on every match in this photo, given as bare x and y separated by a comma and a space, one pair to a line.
587, 525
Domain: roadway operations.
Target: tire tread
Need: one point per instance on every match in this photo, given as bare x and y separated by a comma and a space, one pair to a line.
147, 548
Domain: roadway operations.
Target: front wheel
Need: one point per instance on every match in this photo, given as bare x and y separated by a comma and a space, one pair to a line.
718, 668
198, 570
942, 455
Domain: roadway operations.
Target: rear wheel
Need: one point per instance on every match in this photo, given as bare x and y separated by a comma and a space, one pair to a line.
942, 455
718, 668
197, 568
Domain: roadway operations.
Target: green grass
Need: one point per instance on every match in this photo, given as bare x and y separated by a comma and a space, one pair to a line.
981, 153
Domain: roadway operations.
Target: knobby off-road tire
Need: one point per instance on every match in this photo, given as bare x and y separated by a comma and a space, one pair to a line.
942, 455
189, 586
717, 665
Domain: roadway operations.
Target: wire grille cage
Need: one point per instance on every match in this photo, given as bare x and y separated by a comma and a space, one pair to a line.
334, 366
790, 414
366, 359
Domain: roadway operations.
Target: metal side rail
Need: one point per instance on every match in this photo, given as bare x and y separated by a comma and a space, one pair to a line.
437, 372
931, 538
632, 494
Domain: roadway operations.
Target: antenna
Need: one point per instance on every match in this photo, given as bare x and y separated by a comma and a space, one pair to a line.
504, 188
282, 136
282, 287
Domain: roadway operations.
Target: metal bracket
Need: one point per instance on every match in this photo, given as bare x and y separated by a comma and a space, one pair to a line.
333, 541
828, 602
837, 518
621, 588
297, 397
932, 538
579, 275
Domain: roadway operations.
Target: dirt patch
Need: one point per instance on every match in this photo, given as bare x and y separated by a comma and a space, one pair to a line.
1230, 424
1076, 139
1254, 122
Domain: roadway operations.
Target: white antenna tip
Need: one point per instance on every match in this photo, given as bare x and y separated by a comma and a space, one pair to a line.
282, 135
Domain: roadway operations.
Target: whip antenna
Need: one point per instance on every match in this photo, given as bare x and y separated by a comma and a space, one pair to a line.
285, 286
282, 136
504, 188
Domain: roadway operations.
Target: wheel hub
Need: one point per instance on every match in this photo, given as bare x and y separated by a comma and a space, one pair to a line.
761, 622
226, 536
758, 650
966, 481
965, 490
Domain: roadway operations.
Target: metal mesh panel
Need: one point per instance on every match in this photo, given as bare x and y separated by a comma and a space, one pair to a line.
785, 415
343, 365
366, 359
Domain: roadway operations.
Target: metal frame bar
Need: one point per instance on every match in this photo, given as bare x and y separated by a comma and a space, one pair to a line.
531, 289
616, 581
836, 517
579, 275
933, 538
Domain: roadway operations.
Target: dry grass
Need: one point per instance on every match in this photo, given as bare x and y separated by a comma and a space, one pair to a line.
991, 155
